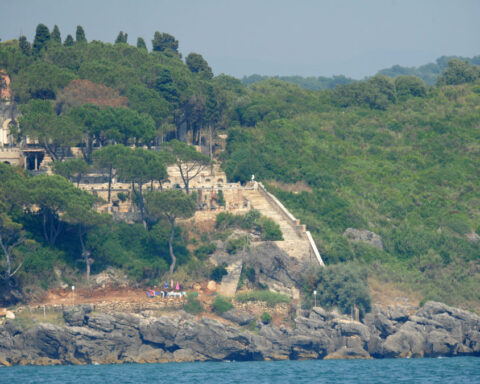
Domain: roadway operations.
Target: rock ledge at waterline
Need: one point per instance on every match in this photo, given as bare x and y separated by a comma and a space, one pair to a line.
89, 337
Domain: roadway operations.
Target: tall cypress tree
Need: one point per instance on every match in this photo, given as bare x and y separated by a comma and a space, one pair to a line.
42, 37
80, 35
24, 45
141, 43
121, 38
69, 41
55, 35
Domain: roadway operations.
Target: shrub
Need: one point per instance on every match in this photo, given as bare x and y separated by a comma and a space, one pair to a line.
235, 245
218, 273
205, 250
221, 305
193, 305
270, 298
266, 318
343, 286
252, 220
122, 196
270, 230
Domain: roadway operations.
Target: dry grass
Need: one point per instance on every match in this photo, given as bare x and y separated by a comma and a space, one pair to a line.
299, 186
388, 294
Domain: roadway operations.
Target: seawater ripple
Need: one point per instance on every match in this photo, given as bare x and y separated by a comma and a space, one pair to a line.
457, 370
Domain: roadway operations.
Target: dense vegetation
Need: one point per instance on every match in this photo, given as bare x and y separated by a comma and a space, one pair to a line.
399, 157
393, 156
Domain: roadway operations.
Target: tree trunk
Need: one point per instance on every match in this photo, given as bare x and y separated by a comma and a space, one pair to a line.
85, 254
7, 255
170, 245
109, 184
45, 235
210, 152
88, 271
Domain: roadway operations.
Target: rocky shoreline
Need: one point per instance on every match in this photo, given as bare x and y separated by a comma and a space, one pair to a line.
104, 338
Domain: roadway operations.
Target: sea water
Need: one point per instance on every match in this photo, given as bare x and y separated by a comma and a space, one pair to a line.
442, 370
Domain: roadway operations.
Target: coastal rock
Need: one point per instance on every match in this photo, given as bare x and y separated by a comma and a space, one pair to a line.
239, 316
105, 338
346, 353
76, 316
363, 235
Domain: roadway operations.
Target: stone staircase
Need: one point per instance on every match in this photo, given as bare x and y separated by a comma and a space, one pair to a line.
229, 284
294, 243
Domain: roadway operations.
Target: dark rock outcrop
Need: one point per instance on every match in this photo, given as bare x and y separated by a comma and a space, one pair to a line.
91, 337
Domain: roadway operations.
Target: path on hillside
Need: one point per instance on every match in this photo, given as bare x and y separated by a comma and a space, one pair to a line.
294, 244
295, 241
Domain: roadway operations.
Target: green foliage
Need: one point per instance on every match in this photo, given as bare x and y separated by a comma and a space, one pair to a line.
429, 72
270, 230
458, 72
40, 81
197, 64
141, 43
376, 93
193, 305
170, 204
42, 37
121, 38
221, 305
80, 35
72, 169
410, 86
55, 35
220, 199
69, 41
252, 220
268, 297
266, 318
205, 250
163, 41
217, 273
24, 45
343, 286
311, 83
236, 244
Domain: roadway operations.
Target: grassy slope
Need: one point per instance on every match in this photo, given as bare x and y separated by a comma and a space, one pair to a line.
409, 173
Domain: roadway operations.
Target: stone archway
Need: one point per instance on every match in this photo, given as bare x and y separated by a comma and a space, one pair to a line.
5, 133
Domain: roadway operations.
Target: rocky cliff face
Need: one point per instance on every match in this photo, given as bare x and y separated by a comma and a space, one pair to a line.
89, 337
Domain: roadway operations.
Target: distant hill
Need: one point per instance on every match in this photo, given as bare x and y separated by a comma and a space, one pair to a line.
312, 83
427, 72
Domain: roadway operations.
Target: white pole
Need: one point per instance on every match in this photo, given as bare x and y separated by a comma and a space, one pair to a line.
315, 297
73, 295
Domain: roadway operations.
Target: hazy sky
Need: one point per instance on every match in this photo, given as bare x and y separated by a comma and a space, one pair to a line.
273, 37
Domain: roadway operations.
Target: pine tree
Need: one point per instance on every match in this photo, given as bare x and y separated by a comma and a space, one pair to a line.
69, 41
42, 37
80, 35
163, 41
55, 35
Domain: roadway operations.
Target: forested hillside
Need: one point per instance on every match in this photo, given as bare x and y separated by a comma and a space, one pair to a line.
393, 156
397, 156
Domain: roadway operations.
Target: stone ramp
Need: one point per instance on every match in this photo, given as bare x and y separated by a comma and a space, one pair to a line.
294, 244
229, 283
